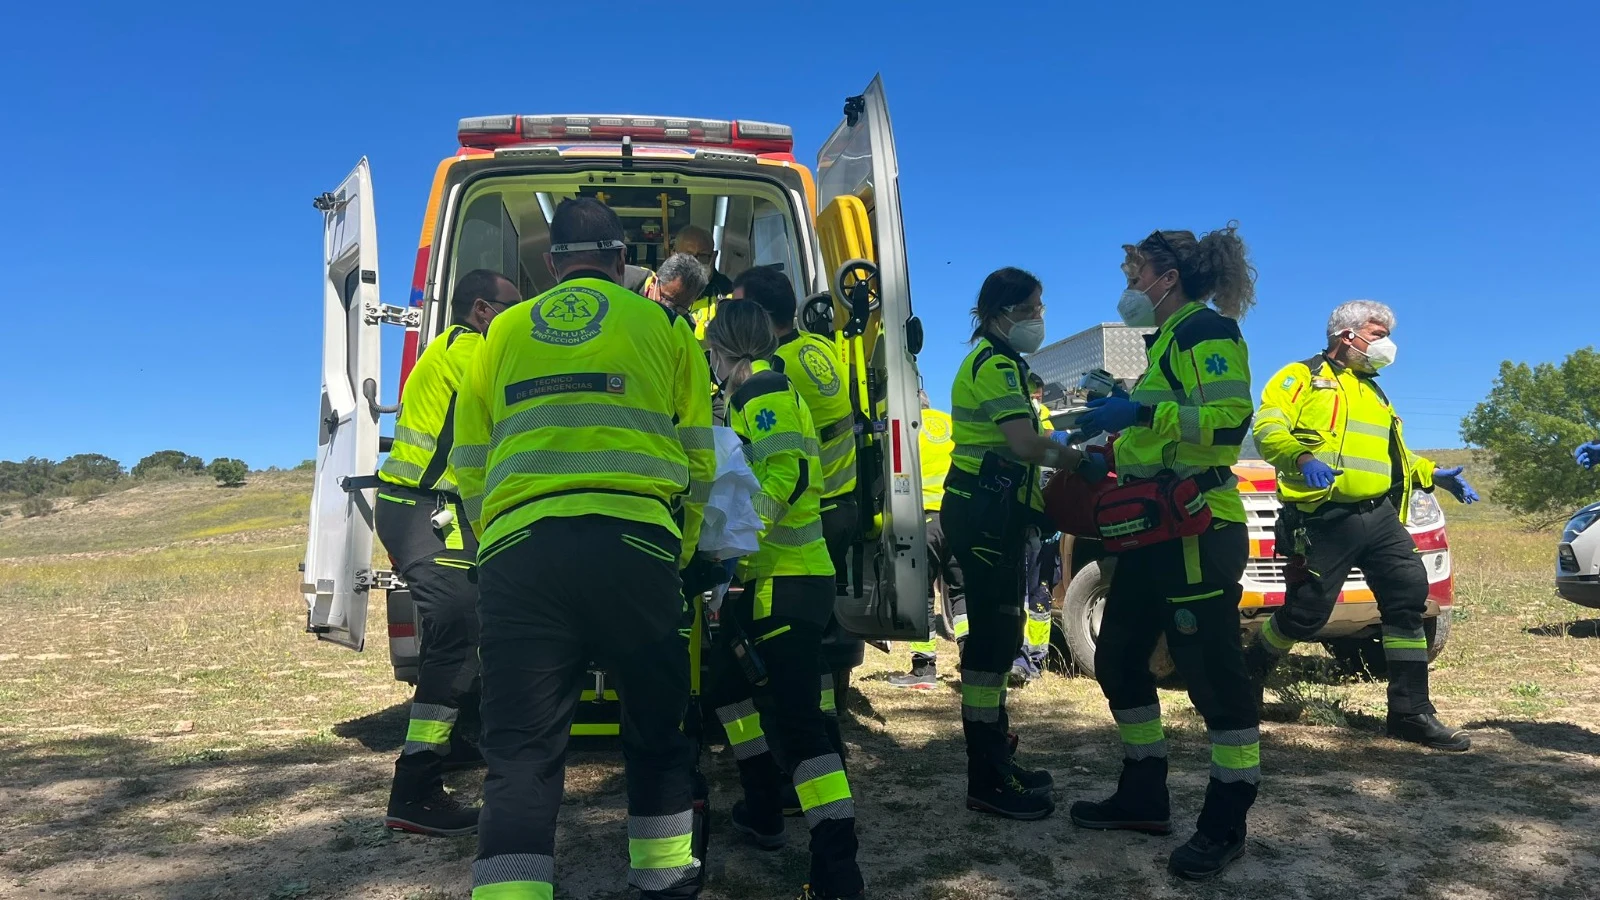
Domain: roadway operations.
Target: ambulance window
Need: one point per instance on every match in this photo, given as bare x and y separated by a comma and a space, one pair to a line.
488, 238
772, 239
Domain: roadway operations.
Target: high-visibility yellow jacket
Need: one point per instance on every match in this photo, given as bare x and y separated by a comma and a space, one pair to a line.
1045, 426
812, 364
1196, 397
780, 441
991, 388
423, 432
586, 400
934, 443
1341, 417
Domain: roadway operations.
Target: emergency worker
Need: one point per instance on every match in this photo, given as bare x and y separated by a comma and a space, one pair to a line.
770, 636
812, 364
1030, 663
1186, 417
698, 243
418, 486
1345, 478
586, 418
677, 284
935, 442
991, 511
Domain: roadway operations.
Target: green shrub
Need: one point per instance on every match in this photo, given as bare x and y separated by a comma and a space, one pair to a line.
34, 507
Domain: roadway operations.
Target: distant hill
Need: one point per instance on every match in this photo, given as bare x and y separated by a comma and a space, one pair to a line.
163, 513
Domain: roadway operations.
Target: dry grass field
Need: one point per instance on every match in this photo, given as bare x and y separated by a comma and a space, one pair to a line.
168, 731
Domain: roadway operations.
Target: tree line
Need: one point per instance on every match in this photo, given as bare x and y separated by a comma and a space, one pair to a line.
36, 480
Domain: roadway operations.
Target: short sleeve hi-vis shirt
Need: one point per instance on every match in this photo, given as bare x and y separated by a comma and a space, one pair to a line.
425, 428
991, 388
780, 442
813, 367
935, 443
1196, 389
586, 400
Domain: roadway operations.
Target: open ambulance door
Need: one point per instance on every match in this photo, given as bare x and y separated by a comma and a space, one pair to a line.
864, 254
338, 573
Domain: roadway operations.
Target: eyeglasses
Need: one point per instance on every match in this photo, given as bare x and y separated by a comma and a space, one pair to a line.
1030, 312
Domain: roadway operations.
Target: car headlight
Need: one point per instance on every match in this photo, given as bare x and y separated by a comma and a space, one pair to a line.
1578, 523
1425, 511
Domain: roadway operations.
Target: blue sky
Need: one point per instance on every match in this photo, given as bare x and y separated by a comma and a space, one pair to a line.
162, 257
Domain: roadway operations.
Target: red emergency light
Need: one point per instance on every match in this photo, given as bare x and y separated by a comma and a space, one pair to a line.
489, 132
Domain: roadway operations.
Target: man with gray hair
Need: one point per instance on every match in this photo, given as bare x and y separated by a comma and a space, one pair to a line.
678, 283
1345, 479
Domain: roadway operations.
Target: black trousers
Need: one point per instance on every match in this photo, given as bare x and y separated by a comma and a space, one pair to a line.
841, 524
991, 559
1189, 590
436, 567
1334, 539
942, 566
553, 597
782, 619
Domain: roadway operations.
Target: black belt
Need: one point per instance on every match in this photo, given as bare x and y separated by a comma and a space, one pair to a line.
1355, 505
353, 483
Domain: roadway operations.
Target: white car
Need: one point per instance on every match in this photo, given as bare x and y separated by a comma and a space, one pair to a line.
1578, 558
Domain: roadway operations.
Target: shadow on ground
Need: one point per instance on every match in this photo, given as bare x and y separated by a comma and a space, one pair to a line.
1582, 628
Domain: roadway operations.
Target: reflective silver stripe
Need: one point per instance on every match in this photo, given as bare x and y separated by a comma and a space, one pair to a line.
1354, 463
1005, 406
402, 470
1223, 390
1267, 413
474, 508
983, 679
1405, 654
444, 484
980, 713
663, 879
699, 491
1151, 470
513, 867
1238, 737
695, 437
751, 748
968, 416
836, 482
838, 809
587, 462
837, 451
584, 415
784, 536
1189, 424
469, 456
1226, 775
650, 828
1272, 428
419, 439
1157, 750
1410, 634
768, 508
1355, 427
1138, 715
1150, 396
781, 442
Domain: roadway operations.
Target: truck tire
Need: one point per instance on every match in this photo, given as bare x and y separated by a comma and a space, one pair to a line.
1438, 631
1081, 612
1082, 609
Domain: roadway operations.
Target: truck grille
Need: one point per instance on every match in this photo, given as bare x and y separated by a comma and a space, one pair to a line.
1270, 572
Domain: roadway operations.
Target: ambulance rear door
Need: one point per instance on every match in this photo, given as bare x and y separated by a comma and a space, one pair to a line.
863, 246
338, 575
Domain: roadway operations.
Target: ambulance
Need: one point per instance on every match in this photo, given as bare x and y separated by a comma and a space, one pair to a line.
836, 234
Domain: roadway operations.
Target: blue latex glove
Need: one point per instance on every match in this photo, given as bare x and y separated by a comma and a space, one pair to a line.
1451, 480
1108, 414
1587, 455
1319, 474
1064, 438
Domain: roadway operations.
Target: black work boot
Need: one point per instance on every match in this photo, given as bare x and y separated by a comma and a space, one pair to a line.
1003, 793
428, 809
765, 829
1427, 730
1205, 856
1140, 803
921, 678
1034, 781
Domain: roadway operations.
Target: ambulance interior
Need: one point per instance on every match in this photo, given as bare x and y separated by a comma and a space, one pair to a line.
504, 222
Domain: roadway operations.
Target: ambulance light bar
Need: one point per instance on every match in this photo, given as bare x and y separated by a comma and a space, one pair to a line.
489, 132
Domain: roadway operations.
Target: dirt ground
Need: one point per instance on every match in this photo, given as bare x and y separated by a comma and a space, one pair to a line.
167, 731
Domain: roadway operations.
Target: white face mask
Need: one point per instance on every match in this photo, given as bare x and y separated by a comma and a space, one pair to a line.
705, 272
1379, 354
1137, 309
1026, 336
